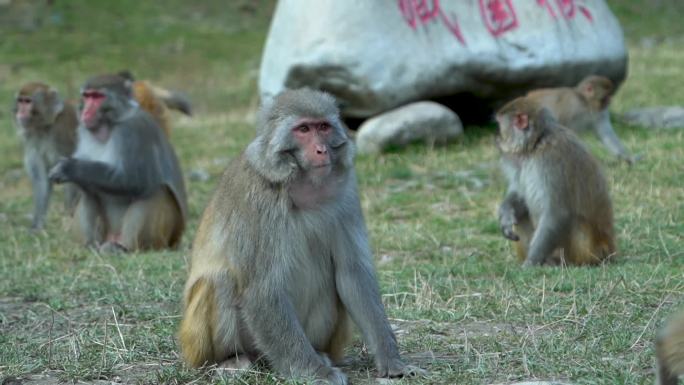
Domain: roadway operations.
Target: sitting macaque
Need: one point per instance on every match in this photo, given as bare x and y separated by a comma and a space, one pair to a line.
132, 190
281, 265
557, 208
584, 107
47, 125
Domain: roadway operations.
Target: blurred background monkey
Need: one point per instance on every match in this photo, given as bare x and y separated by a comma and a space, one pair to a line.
557, 207
132, 189
47, 125
585, 107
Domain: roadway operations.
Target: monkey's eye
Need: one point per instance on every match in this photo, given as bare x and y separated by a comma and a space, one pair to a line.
324, 126
302, 128
23, 100
93, 95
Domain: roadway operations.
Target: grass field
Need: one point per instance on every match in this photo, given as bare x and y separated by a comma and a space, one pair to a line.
462, 306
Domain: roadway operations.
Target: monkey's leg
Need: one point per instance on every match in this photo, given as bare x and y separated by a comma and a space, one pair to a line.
151, 223
199, 319
525, 230
88, 211
548, 235
42, 188
211, 330
341, 335
604, 130
71, 197
271, 319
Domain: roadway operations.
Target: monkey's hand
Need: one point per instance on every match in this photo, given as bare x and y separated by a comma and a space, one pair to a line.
507, 221
394, 368
59, 173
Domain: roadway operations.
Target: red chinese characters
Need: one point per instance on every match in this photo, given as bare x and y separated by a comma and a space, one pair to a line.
499, 16
424, 11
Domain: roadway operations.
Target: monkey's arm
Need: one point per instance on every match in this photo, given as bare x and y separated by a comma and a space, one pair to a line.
41, 186
271, 320
358, 289
511, 211
552, 228
604, 130
102, 177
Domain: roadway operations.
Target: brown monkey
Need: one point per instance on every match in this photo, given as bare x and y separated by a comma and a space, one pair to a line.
133, 195
281, 259
585, 107
669, 348
557, 206
157, 100
47, 126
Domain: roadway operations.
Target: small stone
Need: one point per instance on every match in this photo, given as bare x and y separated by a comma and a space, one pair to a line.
199, 175
427, 122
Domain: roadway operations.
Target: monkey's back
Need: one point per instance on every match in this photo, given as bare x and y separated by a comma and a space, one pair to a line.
566, 105
65, 129
575, 182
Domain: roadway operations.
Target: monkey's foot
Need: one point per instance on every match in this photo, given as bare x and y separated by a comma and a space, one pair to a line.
112, 248
234, 366
396, 368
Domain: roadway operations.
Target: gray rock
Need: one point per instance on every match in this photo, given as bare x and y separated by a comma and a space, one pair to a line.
377, 55
656, 117
429, 122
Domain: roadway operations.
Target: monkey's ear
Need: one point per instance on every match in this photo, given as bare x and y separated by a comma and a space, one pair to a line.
521, 121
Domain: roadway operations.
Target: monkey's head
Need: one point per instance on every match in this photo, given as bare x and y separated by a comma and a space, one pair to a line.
36, 106
522, 122
104, 99
597, 90
300, 134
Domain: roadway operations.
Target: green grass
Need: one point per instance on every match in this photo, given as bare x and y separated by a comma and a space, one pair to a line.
462, 306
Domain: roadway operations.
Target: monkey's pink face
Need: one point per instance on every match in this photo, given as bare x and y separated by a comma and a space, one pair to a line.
313, 137
24, 109
92, 100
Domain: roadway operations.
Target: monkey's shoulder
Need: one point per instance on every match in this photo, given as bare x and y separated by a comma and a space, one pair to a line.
139, 122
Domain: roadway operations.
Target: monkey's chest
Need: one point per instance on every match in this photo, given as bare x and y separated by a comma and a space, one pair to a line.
311, 288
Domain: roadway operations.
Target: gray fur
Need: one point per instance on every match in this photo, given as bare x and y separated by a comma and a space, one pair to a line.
553, 184
135, 162
287, 271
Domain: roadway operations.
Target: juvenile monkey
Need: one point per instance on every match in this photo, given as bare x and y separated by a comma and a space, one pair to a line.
47, 126
670, 351
157, 100
133, 194
557, 207
281, 260
585, 107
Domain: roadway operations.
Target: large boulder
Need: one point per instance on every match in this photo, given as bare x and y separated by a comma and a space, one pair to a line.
376, 55
426, 122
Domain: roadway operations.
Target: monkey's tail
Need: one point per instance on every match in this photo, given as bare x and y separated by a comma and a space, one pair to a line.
670, 349
174, 100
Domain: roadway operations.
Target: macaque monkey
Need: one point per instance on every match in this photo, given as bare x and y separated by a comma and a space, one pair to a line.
557, 207
157, 100
669, 348
133, 194
585, 107
47, 126
281, 260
